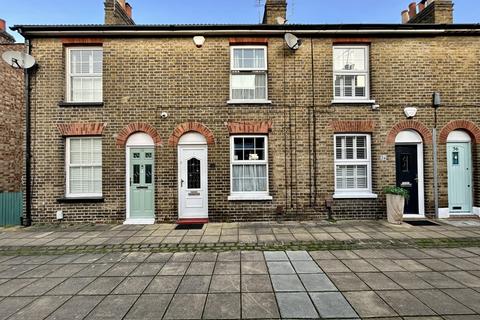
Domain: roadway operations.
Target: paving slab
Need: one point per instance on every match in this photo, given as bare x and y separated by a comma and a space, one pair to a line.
280, 267
332, 305
259, 306
378, 281
254, 267
275, 256
149, 307
225, 283
71, 286
347, 281
298, 255
467, 297
178, 310
317, 282
286, 283
133, 285
77, 307
113, 307
40, 308
164, 284
194, 284
296, 305
39, 287
102, 286
306, 266
11, 305
405, 304
224, 267
408, 280
201, 268
174, 268
222, 306
256, 283
369, 304
440, 302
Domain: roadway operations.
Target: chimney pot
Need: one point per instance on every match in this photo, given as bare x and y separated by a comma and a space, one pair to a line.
122, 3
405, 16
421, 6
128, 9
412, 10
3, 25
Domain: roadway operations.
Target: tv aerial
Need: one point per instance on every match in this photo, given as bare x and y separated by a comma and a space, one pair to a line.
293, 42
18, 60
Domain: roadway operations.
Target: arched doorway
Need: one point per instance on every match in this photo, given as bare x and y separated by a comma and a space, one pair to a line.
192, 177
459, 170
140, 179
409, 170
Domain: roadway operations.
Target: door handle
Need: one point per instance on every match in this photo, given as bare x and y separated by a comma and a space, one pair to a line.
181, 182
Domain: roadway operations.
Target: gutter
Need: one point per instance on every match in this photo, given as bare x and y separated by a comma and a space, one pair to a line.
54, 33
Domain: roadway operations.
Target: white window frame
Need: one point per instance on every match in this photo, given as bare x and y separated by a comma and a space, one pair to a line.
354, 193
67, 170
365, 73
68, 93
253, 195
253, 71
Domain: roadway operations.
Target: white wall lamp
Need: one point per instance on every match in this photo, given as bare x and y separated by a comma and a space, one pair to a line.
410, 112
199, 41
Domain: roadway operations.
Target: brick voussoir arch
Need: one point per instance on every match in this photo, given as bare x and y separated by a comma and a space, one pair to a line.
185, 127
138, 127
466, 125
409, 124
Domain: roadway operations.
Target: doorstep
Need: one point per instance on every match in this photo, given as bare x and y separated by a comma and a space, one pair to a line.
192, 221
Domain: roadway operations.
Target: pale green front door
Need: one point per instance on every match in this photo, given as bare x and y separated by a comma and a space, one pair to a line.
459, 161
142, 183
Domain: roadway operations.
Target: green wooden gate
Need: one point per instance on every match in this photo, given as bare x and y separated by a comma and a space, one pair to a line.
11, 207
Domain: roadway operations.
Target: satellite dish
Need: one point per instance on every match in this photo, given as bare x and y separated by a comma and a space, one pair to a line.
281, 20
19, 60
292, 41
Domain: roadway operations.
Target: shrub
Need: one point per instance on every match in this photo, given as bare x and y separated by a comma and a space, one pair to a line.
397, 191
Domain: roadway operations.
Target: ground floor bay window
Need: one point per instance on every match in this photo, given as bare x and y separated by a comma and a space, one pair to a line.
83, 165
353, 166
249, 168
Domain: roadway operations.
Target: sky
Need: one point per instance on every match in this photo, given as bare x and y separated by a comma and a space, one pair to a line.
218, 11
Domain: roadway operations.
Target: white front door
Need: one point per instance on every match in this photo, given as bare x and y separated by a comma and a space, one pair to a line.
192, 181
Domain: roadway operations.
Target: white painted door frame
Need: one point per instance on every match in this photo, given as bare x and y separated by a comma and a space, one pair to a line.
411, 137
136, 140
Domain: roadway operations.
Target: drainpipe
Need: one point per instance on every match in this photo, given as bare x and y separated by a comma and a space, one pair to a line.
28, 142
436, 101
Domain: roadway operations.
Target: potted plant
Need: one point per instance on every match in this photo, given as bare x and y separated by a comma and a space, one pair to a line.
395, 203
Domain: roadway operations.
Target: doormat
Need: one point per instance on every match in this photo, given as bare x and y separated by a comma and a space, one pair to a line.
422, 223
196, 226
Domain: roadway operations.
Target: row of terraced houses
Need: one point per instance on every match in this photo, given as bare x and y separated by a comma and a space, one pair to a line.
150, 123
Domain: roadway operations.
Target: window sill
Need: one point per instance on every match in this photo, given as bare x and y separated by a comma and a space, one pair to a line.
355, 196
81, 200
250, 198
249, 102
80, 104
353, 101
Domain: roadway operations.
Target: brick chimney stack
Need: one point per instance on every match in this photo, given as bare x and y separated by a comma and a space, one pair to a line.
429, 11
273, 10
5, 37
118, 12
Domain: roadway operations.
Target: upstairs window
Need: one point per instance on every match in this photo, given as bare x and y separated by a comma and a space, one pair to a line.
84, 167
248, 80
350, 73
352, 164
84, 74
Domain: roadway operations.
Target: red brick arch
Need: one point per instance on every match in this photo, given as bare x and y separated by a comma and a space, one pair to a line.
466, 125
409, 124
135, 127
185, 127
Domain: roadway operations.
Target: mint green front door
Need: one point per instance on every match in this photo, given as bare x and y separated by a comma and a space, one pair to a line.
459, 161
142, 183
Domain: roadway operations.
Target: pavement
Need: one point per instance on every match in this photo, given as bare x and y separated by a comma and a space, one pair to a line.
230, 236
268, 270
342, 284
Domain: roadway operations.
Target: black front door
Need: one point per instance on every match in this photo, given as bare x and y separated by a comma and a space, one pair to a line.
407, 174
